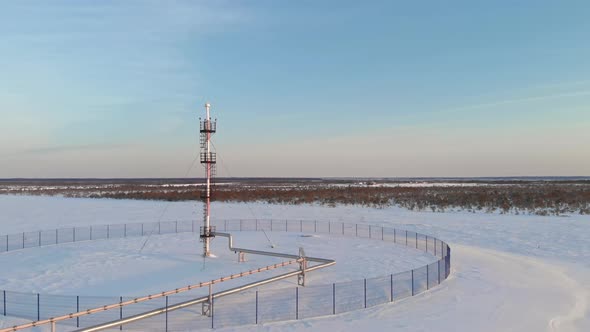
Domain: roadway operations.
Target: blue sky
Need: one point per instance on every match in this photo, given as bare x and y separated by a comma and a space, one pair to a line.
300, 88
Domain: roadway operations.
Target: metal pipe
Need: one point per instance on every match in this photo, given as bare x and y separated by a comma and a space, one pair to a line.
268, 253
189, 303
295, 258
323, 263
145, 298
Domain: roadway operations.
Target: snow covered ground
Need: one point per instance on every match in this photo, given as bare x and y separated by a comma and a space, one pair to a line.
117, 267
510, 272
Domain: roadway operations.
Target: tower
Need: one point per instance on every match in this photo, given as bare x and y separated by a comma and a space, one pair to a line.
208, 159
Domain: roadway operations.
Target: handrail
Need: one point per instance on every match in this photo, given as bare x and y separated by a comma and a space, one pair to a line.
53, 320
189, 303
267, 253
323, 263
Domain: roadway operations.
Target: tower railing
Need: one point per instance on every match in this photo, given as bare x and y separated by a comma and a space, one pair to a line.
208, 126
208, 157
207, 231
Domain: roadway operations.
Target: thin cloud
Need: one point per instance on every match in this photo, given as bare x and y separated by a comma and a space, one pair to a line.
66, 148
523, 100
563, 84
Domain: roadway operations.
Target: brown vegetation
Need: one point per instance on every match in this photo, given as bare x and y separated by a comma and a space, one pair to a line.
544, 198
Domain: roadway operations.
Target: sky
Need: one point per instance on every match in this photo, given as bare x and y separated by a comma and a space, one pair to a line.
299, 88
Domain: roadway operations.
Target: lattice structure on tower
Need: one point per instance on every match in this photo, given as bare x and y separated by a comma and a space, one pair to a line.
209, 161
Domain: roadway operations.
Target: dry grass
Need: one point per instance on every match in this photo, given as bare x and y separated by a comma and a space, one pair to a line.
543, 198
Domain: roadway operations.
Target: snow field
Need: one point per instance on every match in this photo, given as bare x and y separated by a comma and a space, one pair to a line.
117, 267
510, 272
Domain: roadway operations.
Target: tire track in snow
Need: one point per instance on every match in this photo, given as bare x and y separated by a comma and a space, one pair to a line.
566, 322
488, 291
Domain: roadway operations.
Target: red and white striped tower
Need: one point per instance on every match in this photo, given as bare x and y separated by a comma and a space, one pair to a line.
208, 158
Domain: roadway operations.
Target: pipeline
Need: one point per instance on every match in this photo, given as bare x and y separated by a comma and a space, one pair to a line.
54, 320
268, 253
200, 300
323, 263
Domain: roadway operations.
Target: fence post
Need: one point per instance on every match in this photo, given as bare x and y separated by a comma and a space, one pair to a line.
412, 282
56, 236
4, 296
342, 228
315, 230
427, 278
356, 230
434, 246
391, 293
426, 243
416, 240
212, 312
77, 310
120, 312
241, 225
6, 242
271, 225
394, 236
74, 233
286, 225
382, 233
38, 307
91, 233
406, 238
333, 298
448, 266
124, 230
108, 231
23, 240
329, 227
448, 262
39, 238
366, 291
439, 271
256, 307
296, 302
449, 257
166, 326
300, 226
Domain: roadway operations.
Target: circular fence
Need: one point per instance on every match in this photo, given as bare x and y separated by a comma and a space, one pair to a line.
250, 307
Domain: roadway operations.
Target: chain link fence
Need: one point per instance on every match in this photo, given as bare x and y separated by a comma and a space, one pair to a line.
248, 307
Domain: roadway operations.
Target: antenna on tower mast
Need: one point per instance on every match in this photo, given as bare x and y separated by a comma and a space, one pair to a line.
209, 160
